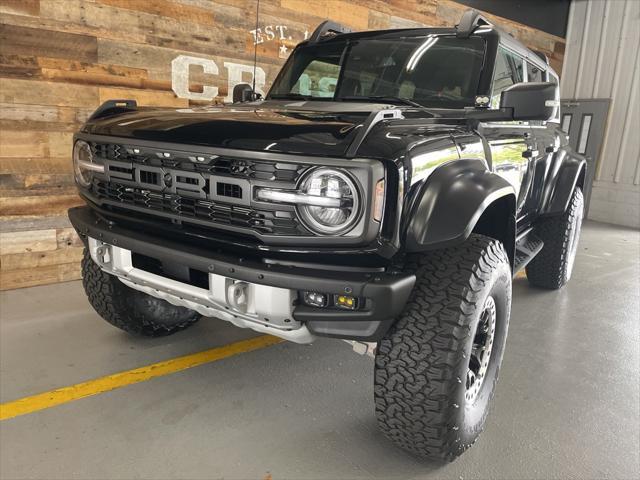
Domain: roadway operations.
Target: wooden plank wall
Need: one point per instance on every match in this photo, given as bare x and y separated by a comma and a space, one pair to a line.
59, 59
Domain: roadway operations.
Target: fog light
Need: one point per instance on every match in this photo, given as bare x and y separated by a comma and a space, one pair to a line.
344, 301
315, 299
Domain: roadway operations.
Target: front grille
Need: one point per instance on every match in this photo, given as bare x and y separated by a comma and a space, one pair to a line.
212, 164
216, 213
229, 190
265, 222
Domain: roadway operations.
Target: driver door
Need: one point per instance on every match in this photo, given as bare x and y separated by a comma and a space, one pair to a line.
512, 144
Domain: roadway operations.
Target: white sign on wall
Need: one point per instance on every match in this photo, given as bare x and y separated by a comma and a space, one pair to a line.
236, 73
274, 33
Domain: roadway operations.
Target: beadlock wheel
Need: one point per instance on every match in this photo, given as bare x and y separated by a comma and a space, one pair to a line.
481, 350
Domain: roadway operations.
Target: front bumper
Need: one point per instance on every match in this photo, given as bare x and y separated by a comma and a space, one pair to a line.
387, 292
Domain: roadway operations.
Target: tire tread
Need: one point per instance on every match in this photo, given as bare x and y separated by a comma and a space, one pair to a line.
549, 269
416, 382
120, 305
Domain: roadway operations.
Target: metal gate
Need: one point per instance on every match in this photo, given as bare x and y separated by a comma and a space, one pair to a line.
585, 121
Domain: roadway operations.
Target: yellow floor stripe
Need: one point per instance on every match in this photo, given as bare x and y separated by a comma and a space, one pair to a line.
62, 395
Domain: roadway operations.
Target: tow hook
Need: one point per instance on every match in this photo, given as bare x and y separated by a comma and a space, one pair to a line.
364, 348
103, 254
237, 296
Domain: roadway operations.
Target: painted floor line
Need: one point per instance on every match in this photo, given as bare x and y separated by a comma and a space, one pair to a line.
41, 401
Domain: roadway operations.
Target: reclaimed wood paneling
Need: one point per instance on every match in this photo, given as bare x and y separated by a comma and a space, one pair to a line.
21, 7
28, 241
59, 59
16, 40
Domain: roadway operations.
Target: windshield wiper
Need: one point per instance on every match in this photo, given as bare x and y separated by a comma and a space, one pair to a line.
383, 98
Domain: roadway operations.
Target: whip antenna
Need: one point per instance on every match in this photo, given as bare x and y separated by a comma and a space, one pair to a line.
255, 51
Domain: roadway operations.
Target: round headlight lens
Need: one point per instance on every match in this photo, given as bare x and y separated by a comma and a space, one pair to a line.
330, 184
82, 163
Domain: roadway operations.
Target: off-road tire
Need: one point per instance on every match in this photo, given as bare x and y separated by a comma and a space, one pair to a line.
128, 309
421, 364
552, 267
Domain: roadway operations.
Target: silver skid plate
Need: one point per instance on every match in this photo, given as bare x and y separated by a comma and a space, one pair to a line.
247, 305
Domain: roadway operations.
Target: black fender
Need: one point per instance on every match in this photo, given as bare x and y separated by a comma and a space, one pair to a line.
569, 169
448, 205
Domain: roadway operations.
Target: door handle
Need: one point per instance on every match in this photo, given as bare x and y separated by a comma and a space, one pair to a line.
530, 153
551, 149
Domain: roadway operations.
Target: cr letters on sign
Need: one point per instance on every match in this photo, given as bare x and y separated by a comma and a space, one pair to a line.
236, 73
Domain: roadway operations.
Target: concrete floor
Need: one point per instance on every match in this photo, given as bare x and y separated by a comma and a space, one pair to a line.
567, 405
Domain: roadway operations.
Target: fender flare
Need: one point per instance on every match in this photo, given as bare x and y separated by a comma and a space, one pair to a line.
448, 205
570, 171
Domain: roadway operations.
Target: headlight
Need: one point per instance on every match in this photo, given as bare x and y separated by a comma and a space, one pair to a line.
337, 202
327, 200
83, 163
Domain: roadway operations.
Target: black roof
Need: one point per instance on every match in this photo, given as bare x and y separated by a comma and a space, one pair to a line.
481, 28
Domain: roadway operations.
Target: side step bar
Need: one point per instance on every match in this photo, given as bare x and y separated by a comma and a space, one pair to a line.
528, 246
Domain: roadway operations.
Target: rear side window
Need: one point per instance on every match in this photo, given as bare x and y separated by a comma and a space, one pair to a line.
534, 74
508, 71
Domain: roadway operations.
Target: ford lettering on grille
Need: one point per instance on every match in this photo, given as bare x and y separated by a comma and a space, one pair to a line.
167, 180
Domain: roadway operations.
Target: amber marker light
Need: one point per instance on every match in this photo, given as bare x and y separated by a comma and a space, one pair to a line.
344, 301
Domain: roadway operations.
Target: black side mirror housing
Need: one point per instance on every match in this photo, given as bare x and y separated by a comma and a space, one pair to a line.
243, 92
531, 101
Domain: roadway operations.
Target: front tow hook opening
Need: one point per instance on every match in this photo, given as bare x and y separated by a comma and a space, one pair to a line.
237, 296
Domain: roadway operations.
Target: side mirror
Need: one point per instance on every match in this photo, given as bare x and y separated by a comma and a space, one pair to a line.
243, 93
531, 101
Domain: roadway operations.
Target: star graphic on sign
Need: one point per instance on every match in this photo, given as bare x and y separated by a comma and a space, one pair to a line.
283, 50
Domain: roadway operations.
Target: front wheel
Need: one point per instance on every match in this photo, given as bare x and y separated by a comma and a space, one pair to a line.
436, 369
128, 309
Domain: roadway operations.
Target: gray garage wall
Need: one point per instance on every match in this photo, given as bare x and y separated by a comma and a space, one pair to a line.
602, 61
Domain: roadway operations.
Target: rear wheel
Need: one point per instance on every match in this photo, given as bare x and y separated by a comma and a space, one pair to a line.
437, 368
552, 267
128, 309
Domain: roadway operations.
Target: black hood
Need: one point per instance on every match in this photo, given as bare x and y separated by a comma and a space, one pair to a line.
311, 128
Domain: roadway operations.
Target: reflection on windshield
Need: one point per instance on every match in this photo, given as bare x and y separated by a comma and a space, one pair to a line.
437, 71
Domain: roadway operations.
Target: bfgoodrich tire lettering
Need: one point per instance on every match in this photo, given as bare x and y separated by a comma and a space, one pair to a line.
422, 364
128, 309
552, 267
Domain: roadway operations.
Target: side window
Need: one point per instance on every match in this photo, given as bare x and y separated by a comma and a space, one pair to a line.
534, 74
508, 71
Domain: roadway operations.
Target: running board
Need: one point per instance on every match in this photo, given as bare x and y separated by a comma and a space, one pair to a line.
527, 247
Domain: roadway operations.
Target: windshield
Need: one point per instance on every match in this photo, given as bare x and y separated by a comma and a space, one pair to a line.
435, 71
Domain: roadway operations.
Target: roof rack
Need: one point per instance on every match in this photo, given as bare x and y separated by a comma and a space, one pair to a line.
327, 30
471, 19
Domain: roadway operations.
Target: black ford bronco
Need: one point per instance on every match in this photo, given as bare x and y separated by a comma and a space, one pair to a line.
385, 192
